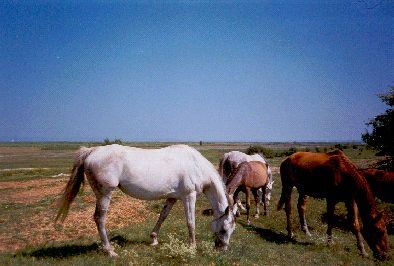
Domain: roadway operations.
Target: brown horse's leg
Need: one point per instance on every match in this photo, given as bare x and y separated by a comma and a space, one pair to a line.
257, 200
248, 192
263, 197
330, 219
302, 200
286, 196
355, 225
103, 199
163, 215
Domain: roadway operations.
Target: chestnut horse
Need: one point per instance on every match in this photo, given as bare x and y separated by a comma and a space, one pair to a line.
178, 172
228, 165
249, 177
332, 176
381, 183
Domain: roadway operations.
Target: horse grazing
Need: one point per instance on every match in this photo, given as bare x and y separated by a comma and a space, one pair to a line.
381, 183
228, 165
249, 177
334, 177
173, 173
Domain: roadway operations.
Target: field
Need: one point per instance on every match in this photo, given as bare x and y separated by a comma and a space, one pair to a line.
32, 176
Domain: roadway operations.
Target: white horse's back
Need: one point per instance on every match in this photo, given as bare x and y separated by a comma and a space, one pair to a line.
148, 174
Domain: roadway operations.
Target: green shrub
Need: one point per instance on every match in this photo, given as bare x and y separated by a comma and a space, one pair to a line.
290, 151
268, 153
108, 142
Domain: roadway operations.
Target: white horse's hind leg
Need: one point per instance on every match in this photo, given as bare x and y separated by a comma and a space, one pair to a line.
100, 213
163, 215
189, 203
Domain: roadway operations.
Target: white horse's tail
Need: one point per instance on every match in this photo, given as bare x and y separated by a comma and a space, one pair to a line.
74, 183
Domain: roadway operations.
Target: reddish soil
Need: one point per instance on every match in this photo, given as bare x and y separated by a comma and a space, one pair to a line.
38, 227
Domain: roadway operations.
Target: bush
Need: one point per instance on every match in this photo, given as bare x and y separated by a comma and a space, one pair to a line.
267, 153
108, 142
289, 152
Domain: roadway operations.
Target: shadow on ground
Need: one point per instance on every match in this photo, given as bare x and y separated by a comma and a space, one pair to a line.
74, 250
272, 236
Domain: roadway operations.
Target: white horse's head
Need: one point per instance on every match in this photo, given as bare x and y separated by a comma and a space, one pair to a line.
223, 227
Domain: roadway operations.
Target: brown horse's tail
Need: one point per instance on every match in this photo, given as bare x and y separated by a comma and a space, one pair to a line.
286, 188
74, 183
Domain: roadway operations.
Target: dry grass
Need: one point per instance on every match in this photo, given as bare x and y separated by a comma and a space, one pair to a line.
36, 226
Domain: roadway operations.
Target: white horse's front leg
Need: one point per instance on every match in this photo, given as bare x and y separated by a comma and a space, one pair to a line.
163, 215
189, 203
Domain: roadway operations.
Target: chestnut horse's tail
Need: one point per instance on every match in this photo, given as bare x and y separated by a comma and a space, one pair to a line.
74, 183
285, 175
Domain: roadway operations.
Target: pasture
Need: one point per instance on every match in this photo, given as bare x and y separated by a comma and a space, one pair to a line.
32, 176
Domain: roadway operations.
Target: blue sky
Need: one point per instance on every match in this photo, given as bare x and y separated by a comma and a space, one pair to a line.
182, 71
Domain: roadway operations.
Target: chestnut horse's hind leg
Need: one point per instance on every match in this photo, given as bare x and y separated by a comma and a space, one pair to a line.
330, 219
264, 199
257, 199
355, 225
286, 195
163, 215
302, 200
100, 213
247, 192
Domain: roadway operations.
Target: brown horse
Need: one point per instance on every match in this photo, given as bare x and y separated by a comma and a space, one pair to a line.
334, 177
249, 177
381, 183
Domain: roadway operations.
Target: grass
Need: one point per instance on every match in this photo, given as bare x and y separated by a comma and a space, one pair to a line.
262, 242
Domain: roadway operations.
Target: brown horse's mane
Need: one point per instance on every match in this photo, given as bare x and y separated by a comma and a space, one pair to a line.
359, 186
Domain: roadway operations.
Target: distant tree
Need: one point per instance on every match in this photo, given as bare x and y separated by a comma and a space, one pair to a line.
107, 141
382, 136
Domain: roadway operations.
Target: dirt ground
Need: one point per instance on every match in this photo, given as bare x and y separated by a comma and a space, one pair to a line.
37, 225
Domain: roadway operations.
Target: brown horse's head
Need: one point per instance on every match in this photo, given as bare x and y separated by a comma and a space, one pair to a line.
375, 233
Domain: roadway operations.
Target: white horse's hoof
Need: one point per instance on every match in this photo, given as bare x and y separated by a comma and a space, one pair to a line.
256, 216
155, 242
112, 254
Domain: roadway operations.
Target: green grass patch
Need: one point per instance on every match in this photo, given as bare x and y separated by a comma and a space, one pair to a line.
264, 242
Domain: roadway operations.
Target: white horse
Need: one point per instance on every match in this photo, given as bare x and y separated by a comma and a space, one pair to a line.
229, 164
173, 173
